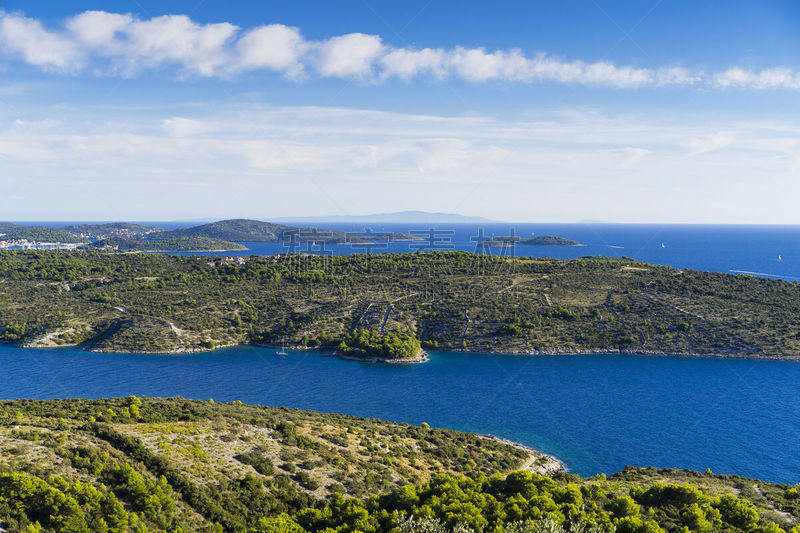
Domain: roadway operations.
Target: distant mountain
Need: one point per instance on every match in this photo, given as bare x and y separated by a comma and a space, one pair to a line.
400, 217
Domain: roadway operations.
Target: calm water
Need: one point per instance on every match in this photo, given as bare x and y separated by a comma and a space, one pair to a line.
769, 251
596, 413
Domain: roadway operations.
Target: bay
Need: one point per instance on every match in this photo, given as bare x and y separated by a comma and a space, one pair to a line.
597, 413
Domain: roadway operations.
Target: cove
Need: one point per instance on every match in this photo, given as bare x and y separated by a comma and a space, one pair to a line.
597, 413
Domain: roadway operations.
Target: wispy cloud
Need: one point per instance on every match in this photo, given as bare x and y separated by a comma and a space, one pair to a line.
251, 159
125, 45
773, 78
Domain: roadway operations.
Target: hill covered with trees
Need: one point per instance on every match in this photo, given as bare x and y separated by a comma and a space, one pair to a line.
177, 244
445, 300
146, 464
244, 230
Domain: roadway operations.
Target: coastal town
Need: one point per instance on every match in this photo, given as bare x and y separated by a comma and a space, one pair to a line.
25, 244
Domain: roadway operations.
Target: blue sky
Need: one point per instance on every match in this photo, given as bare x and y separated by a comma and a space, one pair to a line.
640, 111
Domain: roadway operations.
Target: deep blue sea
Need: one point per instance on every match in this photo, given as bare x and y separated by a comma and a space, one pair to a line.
596, 413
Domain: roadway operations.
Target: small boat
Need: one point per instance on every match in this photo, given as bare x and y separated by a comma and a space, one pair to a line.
662, 245
283, 348
780, 258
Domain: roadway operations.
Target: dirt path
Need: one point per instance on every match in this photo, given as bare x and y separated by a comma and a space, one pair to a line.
786, 516
178, 332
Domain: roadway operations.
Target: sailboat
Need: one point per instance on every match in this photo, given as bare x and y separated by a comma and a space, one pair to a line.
283, 348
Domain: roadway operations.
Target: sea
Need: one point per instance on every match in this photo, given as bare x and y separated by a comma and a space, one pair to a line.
767, 251
596, 413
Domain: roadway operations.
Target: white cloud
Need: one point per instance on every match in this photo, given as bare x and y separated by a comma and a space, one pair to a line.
710, 143
476, 64
28, 39
113, 43
350, 55
175, 39
676, 76
98, 29
774, 78
185, 127
275, 47
407, 64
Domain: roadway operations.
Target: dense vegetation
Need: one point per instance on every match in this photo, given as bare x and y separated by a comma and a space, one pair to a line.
168, 464
41, 234
243, 230
549, 240
124, 236
231, 230
401, 344
542, 240
109, 230
178, 244
141, 464
450, 300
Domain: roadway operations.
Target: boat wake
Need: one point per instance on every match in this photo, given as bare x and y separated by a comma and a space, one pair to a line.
762, 274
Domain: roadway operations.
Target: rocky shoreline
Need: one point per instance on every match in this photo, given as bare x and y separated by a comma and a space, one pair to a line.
423, 356
538, 462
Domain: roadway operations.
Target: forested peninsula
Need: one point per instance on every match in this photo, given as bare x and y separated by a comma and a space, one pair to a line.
388, 306
148, 464
220, 236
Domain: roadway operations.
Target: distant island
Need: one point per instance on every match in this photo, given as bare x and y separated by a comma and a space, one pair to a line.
400, 217
549, 240
224, 235
173, 464
542, 240
390, 306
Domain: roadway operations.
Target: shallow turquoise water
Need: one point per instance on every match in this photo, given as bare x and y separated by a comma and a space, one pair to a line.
596, 413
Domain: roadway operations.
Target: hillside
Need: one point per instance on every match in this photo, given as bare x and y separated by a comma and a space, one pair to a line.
146, 464
39, 234
231, 230
242, 230
450, 300
110, 230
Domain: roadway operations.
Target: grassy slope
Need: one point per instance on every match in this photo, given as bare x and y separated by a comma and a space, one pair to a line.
457, 300
182, 463
204, 449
